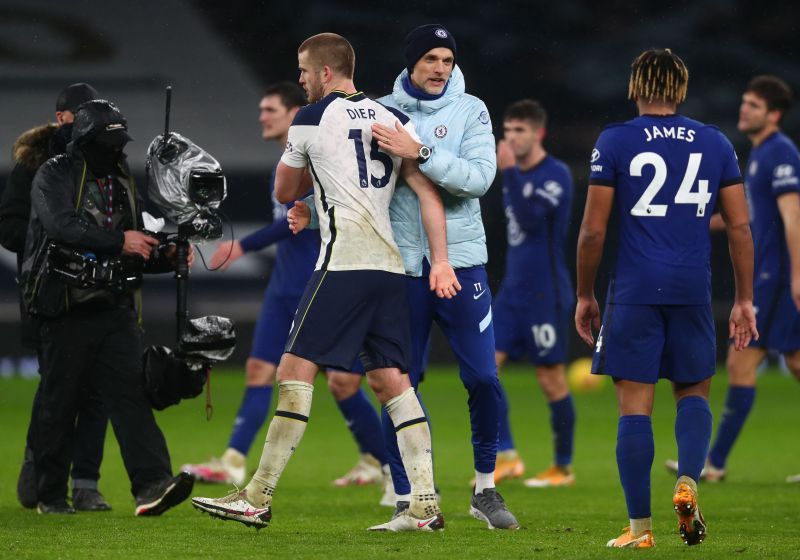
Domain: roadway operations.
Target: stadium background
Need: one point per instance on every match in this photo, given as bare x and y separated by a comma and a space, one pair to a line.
573, 56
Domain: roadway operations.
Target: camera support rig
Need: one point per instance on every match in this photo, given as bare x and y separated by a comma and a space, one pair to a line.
188, 186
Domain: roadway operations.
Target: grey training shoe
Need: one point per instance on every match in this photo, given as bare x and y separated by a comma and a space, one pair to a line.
89, 499
490, 507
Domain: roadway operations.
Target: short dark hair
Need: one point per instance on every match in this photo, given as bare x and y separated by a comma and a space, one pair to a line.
526, 110
291, 94
332, 50
774, 91
658, 75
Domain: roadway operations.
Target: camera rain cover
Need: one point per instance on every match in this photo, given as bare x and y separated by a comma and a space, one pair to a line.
169, 167
208, 338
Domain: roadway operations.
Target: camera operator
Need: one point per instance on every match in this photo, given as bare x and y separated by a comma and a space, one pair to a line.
85, 203
30, 151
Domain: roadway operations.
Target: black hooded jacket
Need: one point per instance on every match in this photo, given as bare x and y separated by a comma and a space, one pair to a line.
62, 213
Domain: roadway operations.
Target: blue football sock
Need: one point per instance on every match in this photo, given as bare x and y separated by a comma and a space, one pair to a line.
252, 413
693, 434
505, 441
562, 422
737, 407
635, 452
364, 424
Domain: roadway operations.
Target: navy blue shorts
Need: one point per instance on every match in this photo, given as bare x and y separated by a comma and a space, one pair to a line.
272, 327
537, 330
352, 313
646, 342
777, 318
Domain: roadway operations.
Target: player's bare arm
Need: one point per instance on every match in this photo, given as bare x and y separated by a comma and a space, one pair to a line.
442, 276
599, 203
789, 207
291, 183
733, 209
226, 254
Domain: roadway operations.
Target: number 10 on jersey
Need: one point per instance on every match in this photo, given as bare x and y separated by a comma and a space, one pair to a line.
685, 195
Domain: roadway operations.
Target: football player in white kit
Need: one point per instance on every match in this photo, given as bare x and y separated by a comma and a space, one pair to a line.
355, 302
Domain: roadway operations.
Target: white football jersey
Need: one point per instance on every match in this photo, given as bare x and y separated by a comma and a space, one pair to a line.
353, 180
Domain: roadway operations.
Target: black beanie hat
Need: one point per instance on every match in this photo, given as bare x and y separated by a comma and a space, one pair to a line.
424, 38
74, 95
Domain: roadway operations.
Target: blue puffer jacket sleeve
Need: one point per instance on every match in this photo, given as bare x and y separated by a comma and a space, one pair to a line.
469, 173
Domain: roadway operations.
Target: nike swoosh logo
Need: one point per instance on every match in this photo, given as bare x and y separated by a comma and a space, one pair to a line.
476, 296
252, 512
421, 524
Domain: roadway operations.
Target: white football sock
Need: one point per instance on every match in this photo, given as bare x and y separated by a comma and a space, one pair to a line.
483, 481
414, 442
639, 526
234, 458
284, 434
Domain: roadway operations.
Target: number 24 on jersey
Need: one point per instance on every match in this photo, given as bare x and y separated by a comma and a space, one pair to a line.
685, 195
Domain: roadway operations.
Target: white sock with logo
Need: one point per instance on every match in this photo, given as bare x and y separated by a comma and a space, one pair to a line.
414, 442
284, 434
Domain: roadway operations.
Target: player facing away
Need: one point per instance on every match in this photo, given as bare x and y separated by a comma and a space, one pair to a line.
354, 303
533, 308
295, 259
663, 173
772, 184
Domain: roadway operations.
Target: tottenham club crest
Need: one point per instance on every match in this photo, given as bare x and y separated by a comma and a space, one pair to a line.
440, 131
441, 33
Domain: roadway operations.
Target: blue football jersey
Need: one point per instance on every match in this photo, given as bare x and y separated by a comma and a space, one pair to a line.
538, 205
666, 172
772, 171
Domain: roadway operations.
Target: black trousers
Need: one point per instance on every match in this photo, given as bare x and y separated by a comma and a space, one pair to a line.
89, 439
94, 352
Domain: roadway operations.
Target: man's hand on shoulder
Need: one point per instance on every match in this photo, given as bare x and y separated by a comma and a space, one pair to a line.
397, 141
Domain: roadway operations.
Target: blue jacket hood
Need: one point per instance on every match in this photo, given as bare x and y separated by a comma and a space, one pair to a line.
456, 87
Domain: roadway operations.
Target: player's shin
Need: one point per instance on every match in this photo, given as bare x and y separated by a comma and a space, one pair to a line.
635, 451
284, 434
414, 441
693, 434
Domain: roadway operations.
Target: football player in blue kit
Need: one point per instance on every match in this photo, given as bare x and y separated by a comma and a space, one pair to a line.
294, 264
772, 184
663, 173
533, 308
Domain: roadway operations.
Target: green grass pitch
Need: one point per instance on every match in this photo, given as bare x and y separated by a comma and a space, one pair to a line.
754, 514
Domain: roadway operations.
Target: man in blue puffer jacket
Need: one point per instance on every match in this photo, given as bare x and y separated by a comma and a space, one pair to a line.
458, 155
